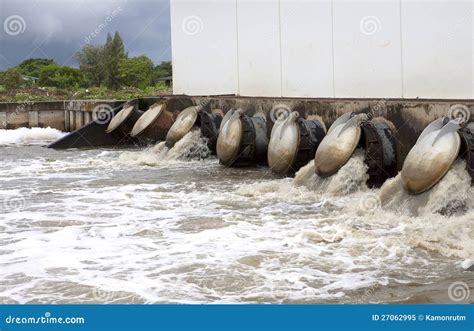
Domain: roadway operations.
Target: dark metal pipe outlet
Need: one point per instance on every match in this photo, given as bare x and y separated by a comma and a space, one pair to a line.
123, 122
209, 124
242, 140
154, 124
467, 150
293, 143
380, 148
195, 117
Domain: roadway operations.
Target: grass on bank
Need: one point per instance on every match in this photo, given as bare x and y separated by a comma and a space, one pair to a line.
52, 93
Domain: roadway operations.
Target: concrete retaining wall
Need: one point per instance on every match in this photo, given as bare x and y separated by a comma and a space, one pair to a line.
409, 117
62, 115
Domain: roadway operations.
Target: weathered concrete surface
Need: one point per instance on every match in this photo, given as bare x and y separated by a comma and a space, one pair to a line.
409, 116
95, 133
61, 115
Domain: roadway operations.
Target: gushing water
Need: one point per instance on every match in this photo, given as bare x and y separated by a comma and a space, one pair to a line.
193, 146
25, 136
162, 225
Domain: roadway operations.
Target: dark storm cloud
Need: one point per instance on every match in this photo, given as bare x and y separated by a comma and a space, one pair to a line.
57, 29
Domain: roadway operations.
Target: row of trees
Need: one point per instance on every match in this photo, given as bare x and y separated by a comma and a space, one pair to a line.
106, 65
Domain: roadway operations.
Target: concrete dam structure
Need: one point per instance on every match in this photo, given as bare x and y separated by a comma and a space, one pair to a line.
286, 134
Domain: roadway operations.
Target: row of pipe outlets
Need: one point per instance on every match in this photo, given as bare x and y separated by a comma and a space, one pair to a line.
160, 124
142, 127
295, 141
242, 140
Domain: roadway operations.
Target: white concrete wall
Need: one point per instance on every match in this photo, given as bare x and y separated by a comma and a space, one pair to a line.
204, 47
324, 48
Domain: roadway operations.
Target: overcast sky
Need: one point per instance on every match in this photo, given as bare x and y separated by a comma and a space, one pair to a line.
58, 28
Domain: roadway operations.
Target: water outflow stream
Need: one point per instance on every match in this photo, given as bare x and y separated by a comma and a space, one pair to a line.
166, 225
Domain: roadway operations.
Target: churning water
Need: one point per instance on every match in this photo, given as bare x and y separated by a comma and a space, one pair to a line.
173, 226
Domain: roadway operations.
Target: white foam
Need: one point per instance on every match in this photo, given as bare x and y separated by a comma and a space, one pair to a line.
26, 136
193, 146
146, 226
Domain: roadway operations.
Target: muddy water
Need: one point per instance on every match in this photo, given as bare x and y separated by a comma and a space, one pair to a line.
161, 226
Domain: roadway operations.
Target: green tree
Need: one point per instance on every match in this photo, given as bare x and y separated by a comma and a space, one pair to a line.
12, 79
136, 71
91, 63
32, 67
114, 51
61, 77
164, 69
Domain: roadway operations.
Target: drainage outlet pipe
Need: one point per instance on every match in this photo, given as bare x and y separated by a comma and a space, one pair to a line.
467, 150
354, 130
242, 140
438, 146
378, 141
191, 118
124, 120
293, 143
154, 124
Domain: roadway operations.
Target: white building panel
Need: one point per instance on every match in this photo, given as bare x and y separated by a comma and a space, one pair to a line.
323, 48
367, 53
204, 47
437, 49
306, 48
259, 47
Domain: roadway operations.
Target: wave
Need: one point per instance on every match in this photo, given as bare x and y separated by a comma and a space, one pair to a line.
26, 136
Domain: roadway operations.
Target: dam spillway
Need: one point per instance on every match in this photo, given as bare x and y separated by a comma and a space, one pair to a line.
247, 222
243, 137
196, 231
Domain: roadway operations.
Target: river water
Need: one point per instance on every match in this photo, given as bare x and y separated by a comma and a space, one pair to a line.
159, 226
